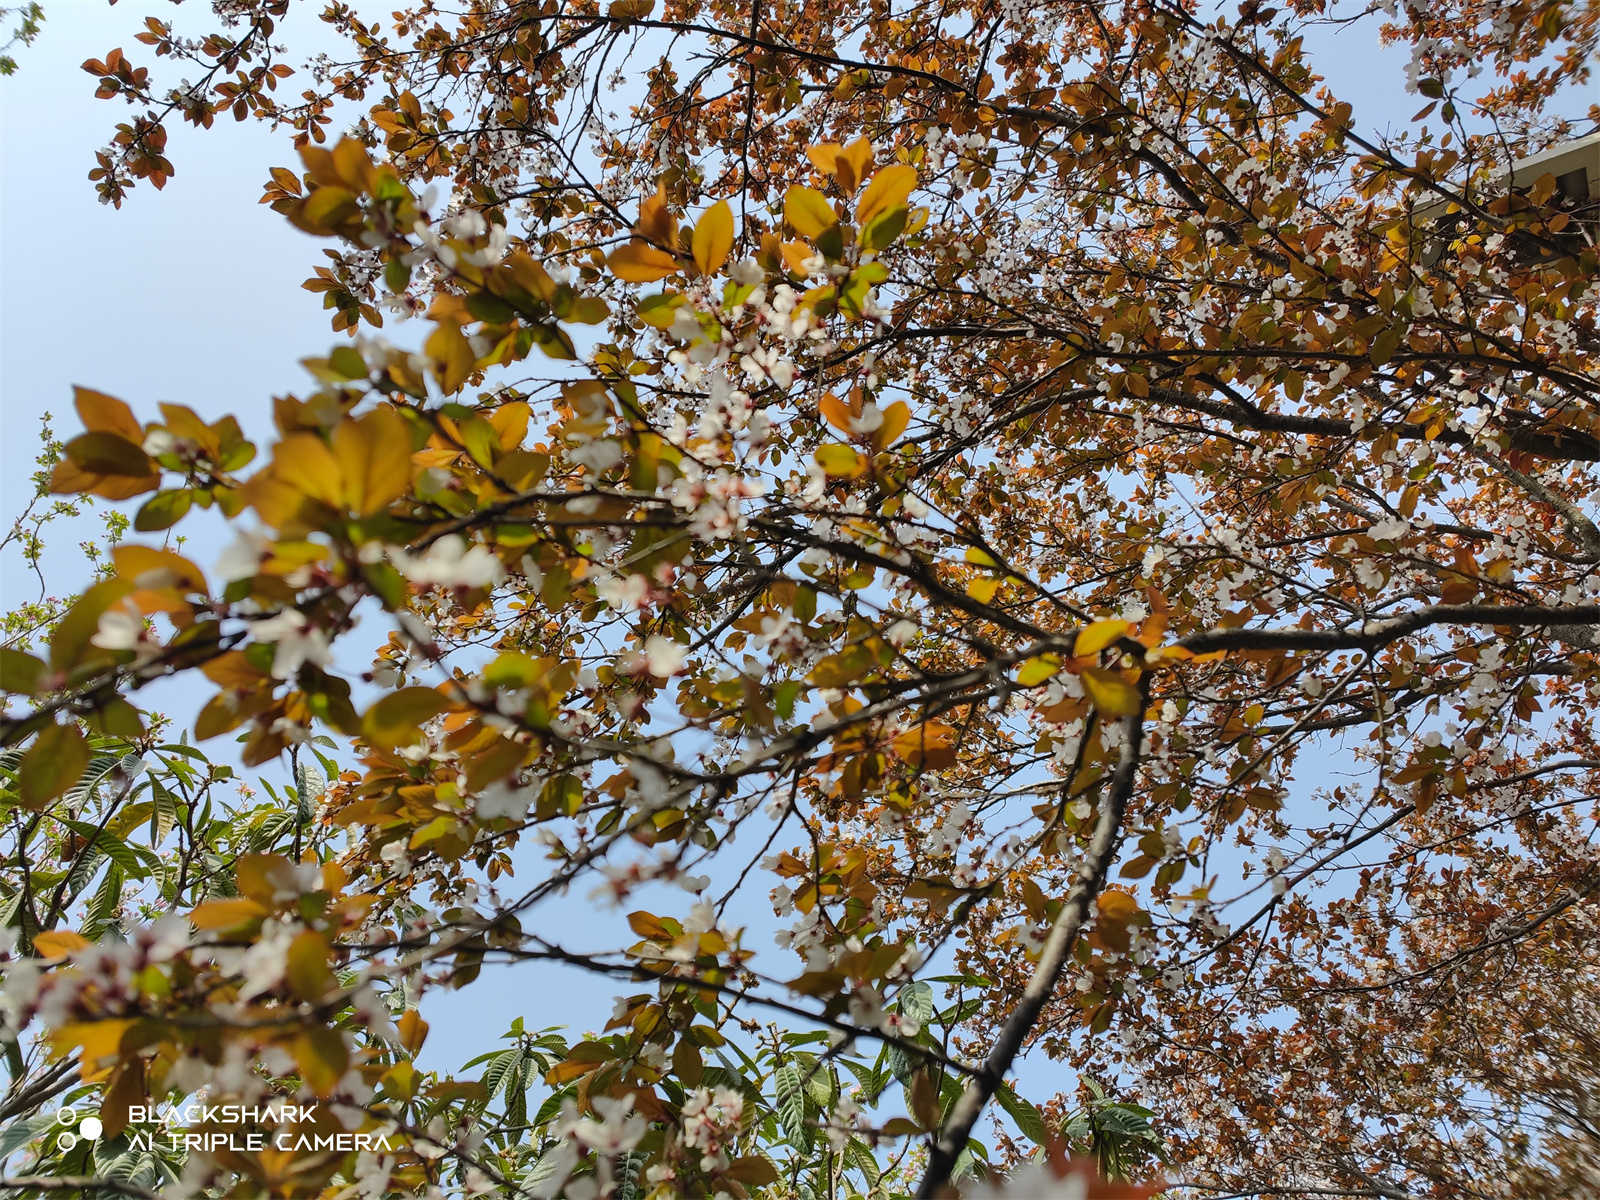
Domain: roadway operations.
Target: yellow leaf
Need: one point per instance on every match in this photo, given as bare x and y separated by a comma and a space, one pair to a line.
848, 164
149, 567
323, 1058
182, 421
823, 156
835, 413
225, 914
1113, 695
647, 925
395, 718
452, 355
304, 462
795, 256
100, 1040
895, 419
981, 558
307, 966
838, 459
931, 744
640, 262
1037, 670
983, 590
713, 238
413, 1030
1096, 637
106, 414
510, 423
1117, 906
808, 211
402, 1080
853, 165
655, 221
889, 188
530, 276
58, 942
374, 456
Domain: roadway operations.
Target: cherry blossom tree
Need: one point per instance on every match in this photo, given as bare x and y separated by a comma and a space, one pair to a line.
1100, 543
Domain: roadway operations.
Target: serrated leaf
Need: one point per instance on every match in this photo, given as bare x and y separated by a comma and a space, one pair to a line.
791, 1105
1028, 1118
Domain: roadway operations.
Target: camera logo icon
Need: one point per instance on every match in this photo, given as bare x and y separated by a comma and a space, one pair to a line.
88, 1129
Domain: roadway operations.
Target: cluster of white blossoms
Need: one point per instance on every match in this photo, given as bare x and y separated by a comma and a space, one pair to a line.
618, 1131
711, 1121
450, 563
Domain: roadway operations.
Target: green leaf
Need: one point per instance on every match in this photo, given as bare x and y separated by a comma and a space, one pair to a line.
792, 1105
916, 1001
880, 232
107, 843
20, 673
163, 510
1028, 1118
481, 441
661, 310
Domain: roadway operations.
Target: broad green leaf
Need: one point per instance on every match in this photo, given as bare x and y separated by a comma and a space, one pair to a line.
880, 232
20, 673
163, 510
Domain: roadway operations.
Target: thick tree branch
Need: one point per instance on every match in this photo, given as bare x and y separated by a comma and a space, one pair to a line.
1378, 633
952, 1137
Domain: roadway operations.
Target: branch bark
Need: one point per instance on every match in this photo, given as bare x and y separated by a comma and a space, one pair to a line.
980, 1089
1381, 632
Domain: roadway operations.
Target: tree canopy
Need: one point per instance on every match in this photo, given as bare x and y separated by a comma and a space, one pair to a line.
1038, 498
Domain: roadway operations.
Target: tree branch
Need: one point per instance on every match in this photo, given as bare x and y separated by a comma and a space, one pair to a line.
952, 1137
